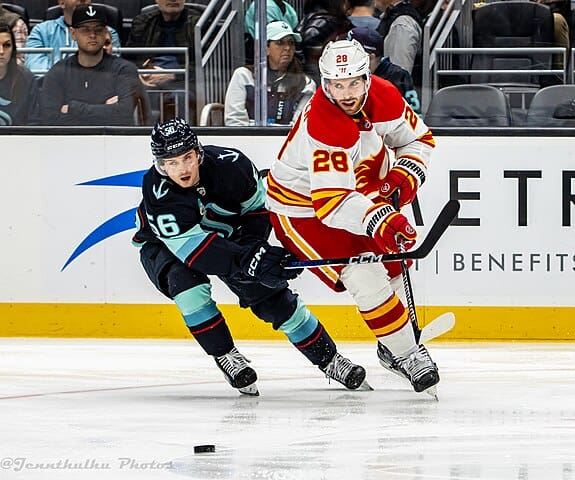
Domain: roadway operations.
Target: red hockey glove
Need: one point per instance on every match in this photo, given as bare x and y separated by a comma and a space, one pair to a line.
388, 228
406, 177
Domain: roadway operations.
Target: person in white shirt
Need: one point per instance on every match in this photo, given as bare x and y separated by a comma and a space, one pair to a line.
289, 88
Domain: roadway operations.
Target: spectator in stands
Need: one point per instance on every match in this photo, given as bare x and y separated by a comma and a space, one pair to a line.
108, 43
401, 29
289, 88
56, 34
372, 43
362, 14
323, 21
171, 25
90, 87
18, 27
276, 10
18, 87
561, 10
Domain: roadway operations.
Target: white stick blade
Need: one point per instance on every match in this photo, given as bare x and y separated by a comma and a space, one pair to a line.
437, 327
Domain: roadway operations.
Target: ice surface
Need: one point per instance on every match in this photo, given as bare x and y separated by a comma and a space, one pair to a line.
130, 409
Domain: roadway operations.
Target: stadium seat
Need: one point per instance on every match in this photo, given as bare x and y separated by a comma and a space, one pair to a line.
212, 115
146, 3
35, 9
197, 6
512, 24
129, 8
553, 107
469, 106
20, 10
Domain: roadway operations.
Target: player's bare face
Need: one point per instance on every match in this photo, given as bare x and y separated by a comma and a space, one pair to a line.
184, 169
348, 94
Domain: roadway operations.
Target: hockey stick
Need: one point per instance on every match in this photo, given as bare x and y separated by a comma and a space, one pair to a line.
445, 217
405, 276
437, 327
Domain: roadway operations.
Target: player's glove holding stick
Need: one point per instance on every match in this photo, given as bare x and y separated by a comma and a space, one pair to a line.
388, 228
266, 264
406, 176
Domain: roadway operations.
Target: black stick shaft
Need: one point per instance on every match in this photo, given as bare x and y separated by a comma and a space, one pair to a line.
445, 217
406, 278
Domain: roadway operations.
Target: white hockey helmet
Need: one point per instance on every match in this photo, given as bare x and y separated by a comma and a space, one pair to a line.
344, 59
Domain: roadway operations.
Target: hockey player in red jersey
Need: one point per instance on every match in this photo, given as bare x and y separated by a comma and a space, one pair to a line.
356, 144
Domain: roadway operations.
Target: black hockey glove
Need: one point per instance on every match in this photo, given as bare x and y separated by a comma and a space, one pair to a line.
265, 264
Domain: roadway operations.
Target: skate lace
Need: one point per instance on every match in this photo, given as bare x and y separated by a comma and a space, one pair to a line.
232, 362
339, 368
417, 363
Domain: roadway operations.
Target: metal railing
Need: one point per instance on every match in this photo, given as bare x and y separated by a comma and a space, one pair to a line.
438, 33
498, 72
38, 51
219, 50
185, 71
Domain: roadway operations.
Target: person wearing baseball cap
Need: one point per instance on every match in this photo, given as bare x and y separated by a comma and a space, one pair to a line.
55, 34
289, 88
90, 87
84, 14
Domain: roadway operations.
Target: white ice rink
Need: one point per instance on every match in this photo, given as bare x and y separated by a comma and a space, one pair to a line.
128, 409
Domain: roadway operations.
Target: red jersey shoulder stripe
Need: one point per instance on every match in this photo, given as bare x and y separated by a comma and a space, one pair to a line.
384, 101
328, 124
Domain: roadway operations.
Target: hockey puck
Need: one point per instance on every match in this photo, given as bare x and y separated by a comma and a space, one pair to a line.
204, 448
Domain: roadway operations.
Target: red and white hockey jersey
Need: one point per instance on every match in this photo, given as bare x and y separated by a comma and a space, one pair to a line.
332, 165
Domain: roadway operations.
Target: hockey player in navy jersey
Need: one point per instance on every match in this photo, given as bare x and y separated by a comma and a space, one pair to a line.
203, 214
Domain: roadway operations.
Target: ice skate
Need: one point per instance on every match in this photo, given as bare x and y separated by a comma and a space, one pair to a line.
417, 367
237, 372
351, 376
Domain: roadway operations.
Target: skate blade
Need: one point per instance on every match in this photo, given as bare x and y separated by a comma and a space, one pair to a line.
366, 387
432, 392
251, 390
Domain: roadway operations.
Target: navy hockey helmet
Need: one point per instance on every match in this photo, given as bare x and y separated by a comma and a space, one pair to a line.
173, 138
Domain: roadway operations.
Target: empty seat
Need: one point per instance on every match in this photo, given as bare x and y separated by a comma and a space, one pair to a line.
129, 8
469, 106
512, 24
553, 107
212, 115
35, 9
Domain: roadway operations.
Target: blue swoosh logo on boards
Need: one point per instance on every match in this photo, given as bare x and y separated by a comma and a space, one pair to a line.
117, 224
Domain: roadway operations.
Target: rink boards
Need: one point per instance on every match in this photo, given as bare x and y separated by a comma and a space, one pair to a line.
505, 267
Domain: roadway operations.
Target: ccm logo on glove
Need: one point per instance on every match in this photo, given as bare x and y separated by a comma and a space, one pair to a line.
256, 261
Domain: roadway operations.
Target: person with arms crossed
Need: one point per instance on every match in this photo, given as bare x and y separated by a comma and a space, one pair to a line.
333, 179
56, 34
203, 214
90, 87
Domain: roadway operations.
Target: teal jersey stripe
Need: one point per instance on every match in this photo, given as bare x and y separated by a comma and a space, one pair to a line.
196, 304
257, 200
300, 325
182, 246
